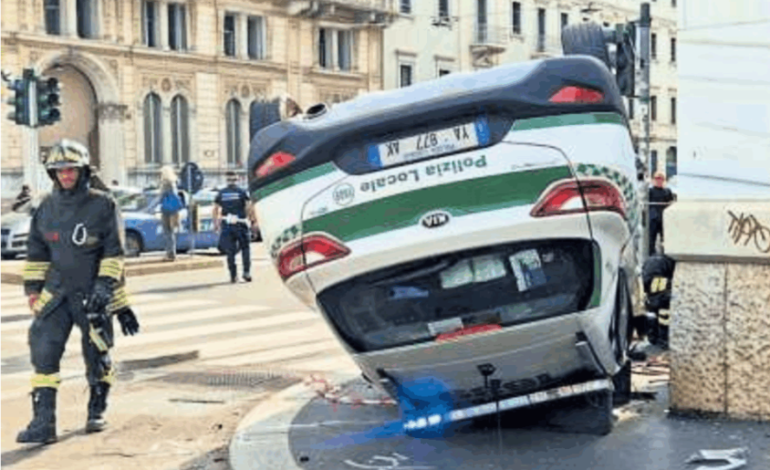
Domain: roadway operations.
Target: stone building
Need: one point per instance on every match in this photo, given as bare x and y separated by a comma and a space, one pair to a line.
436, 37
153, 82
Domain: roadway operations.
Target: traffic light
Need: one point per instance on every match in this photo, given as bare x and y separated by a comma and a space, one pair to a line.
20, 102
625, 71
48, 101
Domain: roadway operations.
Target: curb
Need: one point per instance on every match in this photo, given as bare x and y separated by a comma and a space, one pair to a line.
268, 425
141, 269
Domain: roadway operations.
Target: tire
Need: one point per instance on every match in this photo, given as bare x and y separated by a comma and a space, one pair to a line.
9, 256
133, 245
263, 114
620, 338
601, 404
585, 39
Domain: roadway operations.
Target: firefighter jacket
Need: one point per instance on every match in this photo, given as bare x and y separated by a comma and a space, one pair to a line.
75, 237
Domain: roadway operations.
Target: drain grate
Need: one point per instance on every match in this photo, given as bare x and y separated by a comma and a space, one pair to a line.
269, 381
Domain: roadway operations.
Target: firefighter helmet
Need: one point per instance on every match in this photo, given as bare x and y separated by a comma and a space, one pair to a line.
67, 154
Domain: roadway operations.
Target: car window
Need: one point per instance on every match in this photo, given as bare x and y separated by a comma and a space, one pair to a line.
135, 202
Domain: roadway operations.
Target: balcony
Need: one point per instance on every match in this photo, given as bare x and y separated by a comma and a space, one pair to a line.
546, 45
492, 38
365, 11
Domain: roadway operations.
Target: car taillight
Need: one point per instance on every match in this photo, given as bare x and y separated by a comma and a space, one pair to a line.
566, 198
573, 94
275, 162
310, 251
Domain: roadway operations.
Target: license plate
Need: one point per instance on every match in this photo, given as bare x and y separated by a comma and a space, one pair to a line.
430, 144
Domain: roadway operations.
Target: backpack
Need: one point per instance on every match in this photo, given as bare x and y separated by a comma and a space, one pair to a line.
171, 203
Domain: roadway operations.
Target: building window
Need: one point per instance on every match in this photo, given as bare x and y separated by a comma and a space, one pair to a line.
233, 124
673, 3
564, 20
630, 108
180, 130
257, 38
52, 17
673, 49
443, 9
405, 75
86, 18
654, 108
229, 35
516, 20
442, 72
150, 23
653, 161
406, 7
335, 47
673, 110
653, 46
671, 166
153, 142
177, 26
345, 50
541, 29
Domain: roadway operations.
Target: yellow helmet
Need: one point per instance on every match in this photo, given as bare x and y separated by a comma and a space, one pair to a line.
67, 154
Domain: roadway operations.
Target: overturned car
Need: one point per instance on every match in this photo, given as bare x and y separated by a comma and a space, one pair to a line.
475, 228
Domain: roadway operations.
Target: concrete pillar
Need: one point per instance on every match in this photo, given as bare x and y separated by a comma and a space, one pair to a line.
720, 345
163, 18
241, 36
70, 26
112, 142
166, 134
245, 144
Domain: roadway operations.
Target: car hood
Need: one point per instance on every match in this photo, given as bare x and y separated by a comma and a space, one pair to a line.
13, 219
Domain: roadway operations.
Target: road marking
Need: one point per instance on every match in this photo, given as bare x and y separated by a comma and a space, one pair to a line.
275, 354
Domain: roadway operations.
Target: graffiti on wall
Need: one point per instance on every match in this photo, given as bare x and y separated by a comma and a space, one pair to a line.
747, 229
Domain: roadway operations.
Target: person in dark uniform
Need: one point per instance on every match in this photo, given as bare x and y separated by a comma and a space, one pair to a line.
74, 275
660, 198
23, 197
234, 206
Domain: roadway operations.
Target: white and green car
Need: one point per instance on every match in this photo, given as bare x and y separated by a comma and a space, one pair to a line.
484, 218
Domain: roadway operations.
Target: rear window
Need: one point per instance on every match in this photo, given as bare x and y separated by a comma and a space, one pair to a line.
494, 287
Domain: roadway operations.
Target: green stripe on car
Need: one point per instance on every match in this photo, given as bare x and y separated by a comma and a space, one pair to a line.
567, 120
293, 180
459, 198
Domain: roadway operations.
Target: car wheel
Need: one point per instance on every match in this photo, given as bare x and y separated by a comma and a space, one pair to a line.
9, 256
585, 39
133, 245
601, 404
620, 338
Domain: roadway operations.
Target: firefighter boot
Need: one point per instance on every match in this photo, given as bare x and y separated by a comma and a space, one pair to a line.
97, 405
42, 428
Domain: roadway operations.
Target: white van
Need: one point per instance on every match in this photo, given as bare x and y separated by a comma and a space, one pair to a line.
481, 219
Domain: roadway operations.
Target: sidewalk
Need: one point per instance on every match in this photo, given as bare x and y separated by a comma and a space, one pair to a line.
11, 271
298, 430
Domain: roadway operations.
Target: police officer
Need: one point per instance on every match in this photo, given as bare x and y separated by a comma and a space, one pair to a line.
235, 206
74, 275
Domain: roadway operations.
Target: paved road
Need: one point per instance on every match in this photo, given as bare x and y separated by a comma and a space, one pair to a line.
195, 325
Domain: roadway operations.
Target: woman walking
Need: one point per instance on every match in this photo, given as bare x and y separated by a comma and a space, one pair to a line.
171, 204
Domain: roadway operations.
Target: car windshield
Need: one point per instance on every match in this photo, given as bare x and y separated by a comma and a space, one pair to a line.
135, 202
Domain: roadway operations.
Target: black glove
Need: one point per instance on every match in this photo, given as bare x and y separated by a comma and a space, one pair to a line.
101, 294
128, 322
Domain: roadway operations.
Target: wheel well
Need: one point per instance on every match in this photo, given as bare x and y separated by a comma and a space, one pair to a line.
138, 236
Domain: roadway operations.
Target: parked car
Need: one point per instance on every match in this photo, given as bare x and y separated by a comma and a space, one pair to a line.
481, 224
15, 224
144, 229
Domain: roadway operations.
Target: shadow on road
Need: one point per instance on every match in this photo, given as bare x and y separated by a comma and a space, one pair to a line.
15, 456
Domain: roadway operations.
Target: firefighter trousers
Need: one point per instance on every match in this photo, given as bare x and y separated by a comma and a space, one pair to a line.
48, 337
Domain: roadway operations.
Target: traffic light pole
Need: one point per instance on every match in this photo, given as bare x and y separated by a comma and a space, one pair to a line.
644, 97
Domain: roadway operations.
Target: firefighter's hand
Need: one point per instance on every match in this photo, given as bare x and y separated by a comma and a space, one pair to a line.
100, 295
128, 322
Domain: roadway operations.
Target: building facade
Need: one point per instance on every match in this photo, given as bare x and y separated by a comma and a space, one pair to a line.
434, 37
147, 83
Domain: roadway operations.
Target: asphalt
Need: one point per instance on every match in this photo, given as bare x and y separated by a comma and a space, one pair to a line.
297, 429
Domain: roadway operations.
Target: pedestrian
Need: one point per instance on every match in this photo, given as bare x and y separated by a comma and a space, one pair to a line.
660, 198
74, 275
23, 197
237, 211
171, 204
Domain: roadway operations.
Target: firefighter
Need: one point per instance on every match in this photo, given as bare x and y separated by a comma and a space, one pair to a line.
74, 275
235, 206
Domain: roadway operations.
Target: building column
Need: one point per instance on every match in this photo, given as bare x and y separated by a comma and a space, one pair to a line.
163, 18
166, 134
245, 143
70, 26
241, 36
111, 142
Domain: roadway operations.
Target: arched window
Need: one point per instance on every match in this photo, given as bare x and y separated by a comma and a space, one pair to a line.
233, 123
671, 162
180, 130
153, 141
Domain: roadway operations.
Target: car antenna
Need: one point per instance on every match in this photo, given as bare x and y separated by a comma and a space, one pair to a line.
486, 370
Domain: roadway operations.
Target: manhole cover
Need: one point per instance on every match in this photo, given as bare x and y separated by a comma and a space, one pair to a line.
231, 379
